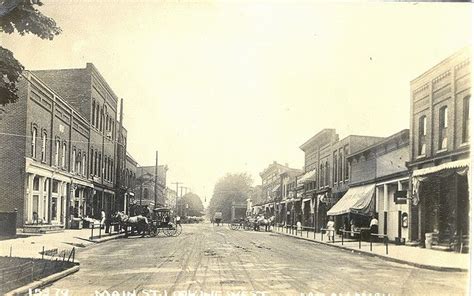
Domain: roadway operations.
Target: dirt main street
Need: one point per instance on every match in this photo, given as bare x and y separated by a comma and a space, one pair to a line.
220, 261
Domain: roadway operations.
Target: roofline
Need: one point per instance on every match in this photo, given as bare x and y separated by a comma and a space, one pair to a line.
455, 54
90, 65
382, 142
305, 144
73, 110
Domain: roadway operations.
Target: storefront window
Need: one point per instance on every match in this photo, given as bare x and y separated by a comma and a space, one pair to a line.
55, 186
36, 183
54, 208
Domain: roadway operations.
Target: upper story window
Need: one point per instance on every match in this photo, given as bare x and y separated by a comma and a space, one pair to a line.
93, 113
95, 163
34, 133
97, 116
79, 163
340, 166
83, 164
101, 124
346, 163
99, 168
91, 162
63, 156
43, 147
57, 146
465, 119
334, 168
443, 127
422, 135
73, 161
326, 174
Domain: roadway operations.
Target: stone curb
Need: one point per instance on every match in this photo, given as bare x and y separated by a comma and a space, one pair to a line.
43, 282
396, 260
105, 238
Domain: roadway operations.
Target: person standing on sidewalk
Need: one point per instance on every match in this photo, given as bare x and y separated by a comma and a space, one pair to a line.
374, 225
330, 228
102, 218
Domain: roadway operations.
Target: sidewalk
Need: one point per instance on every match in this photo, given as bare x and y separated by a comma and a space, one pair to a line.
415, 256
32, 246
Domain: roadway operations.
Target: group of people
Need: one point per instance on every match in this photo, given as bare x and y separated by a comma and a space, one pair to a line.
351, 226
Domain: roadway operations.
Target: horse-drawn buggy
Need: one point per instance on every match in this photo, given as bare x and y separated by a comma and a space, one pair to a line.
161, 221
152, 223
254, 223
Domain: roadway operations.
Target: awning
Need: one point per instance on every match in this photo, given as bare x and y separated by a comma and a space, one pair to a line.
356, 200
307, 177
445, 166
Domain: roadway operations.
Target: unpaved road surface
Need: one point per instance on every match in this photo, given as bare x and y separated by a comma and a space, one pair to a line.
217, 261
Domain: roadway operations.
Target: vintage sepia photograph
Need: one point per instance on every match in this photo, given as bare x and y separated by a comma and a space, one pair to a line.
235, 147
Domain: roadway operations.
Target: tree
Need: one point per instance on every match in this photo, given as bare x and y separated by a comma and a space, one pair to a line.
231, 188
191, 205
20, 16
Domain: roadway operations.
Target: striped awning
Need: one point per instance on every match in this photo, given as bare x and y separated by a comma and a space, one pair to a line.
356, 200
445, 166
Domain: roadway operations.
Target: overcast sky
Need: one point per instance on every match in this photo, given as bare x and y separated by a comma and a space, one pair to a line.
226, 86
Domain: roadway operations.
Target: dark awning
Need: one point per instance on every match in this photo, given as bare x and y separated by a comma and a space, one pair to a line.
356, 200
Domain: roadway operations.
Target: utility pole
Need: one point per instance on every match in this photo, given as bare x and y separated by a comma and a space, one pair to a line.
156, 179
176, 204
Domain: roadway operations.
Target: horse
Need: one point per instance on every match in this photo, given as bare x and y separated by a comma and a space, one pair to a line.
139, 223
267, 222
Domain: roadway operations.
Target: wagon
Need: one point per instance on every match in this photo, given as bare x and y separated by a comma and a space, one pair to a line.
161, 221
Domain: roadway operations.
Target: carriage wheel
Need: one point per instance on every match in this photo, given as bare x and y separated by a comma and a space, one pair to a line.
170, 230
153, 231
179, 229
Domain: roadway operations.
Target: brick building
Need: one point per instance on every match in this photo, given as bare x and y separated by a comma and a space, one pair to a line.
440, 151
377, 175
271, 185
88, 92
327, 174
44, 157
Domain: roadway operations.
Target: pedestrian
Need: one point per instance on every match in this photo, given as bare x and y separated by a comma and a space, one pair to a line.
102, 218
374, 225
178, 220
330, 229
353, 227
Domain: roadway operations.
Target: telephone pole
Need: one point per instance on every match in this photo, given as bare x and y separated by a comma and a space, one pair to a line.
176, 204
156, 179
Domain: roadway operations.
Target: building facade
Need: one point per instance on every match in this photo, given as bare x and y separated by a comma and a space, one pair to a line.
440, 152
88, 92
45, 156
327, 175
145, 186
378, 187
271, 185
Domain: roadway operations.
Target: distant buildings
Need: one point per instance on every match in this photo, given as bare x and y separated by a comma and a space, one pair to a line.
145, 186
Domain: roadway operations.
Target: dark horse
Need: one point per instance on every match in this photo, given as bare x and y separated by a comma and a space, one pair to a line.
138, 223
